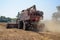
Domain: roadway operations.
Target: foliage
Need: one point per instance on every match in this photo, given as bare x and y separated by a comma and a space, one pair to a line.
5, 19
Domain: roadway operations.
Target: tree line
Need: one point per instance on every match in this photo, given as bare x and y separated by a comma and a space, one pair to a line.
5, 19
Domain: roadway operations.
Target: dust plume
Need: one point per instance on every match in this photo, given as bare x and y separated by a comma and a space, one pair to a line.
53, 26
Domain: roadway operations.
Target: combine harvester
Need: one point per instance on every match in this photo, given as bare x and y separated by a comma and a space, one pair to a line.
28, 20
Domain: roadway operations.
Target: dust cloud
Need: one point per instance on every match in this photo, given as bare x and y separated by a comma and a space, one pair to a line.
51, 25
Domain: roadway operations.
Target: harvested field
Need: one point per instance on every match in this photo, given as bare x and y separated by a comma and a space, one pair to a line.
3, 25
19, 34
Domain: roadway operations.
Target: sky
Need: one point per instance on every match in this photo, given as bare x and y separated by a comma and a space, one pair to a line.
10, 8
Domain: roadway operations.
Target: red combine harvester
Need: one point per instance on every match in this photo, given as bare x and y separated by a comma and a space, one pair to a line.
28, 19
